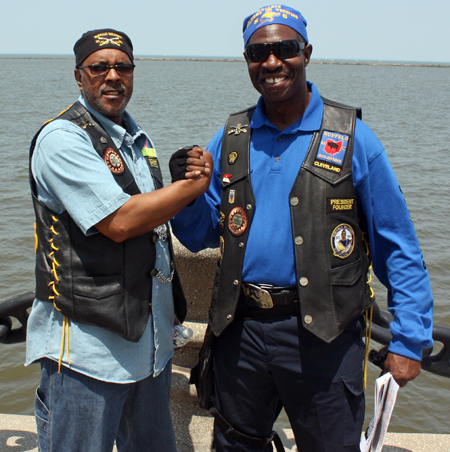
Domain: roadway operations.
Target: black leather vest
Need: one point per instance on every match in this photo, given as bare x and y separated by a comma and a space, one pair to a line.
331, 257
92, 279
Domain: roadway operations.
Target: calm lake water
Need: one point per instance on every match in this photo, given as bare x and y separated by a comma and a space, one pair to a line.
185, 102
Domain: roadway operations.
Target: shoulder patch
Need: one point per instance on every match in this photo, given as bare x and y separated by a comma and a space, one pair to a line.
331, 152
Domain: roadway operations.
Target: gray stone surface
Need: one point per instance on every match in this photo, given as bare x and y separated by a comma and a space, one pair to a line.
193, 429
197, 278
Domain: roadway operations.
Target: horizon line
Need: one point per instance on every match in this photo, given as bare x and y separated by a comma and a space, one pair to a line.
232, 58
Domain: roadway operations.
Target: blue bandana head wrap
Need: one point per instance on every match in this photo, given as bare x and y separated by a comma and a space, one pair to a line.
274, 14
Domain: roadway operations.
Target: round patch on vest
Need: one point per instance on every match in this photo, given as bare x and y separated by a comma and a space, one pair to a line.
237, 221
343, 241
114, 161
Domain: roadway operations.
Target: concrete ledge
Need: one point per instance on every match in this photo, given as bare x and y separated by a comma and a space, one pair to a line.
18, 434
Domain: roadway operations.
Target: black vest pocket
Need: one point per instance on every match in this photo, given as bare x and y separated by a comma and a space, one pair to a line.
100, 301
348, 292
98, 287
346, 275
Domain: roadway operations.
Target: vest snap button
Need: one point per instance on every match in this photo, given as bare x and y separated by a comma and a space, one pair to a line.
294, 201
236, 282
308, 319
241, 245
248, 207
298, 240
229, 316
304, 281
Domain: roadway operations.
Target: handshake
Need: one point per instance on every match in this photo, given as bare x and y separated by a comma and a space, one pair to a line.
190, 162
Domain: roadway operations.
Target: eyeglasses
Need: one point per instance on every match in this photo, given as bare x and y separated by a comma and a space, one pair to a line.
103, 69
290, 48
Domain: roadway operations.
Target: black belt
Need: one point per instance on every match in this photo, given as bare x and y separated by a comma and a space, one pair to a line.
260, 301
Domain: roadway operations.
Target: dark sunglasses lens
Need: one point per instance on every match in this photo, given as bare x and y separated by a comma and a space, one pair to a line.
257, 52
124, 69
286, 49
98, 69
102, 69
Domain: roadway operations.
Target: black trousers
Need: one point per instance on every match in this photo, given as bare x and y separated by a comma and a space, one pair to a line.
263, 365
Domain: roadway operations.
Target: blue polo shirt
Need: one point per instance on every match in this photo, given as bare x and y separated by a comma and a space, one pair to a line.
71, 176
275, 160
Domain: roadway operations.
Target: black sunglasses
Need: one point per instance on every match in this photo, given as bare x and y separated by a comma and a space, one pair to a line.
103, 69
290, 48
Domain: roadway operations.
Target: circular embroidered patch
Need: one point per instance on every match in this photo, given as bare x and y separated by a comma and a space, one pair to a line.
237, 221
343, 241
114, 161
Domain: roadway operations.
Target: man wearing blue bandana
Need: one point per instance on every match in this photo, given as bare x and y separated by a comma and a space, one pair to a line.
303, 204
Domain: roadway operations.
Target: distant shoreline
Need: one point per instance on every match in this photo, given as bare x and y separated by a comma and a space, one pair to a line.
240, 60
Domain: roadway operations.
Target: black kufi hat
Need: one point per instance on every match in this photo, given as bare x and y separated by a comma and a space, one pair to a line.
106, 38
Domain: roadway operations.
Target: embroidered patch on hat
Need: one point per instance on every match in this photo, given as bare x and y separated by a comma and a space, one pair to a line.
108, 37
332, 149
237, 221
114, 161
343, 241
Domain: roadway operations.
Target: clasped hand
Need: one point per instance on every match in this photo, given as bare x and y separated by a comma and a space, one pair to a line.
190, 162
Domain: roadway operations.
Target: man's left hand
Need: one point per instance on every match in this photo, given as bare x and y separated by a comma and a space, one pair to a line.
401, 368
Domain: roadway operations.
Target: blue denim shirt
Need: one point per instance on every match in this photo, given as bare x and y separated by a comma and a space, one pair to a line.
71, 176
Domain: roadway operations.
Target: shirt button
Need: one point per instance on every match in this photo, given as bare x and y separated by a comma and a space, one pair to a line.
308, 319
280, 139
304, 281
294, 201
277, 159
298, 240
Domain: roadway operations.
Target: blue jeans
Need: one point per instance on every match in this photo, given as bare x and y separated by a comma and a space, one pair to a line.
77, 413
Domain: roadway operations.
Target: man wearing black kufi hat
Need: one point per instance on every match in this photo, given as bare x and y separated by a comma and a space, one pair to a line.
107, 293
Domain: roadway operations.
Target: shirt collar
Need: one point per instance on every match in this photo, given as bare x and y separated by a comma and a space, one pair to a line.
119, 134
309, 122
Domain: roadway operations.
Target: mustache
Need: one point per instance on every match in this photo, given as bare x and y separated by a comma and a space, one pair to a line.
113, 86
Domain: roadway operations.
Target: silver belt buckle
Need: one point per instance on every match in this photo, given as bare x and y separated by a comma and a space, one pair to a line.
259, 295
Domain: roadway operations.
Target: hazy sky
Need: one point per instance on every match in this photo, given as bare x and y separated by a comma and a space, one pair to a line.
404, 30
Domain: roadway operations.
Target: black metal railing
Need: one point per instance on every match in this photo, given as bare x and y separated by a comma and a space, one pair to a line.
438, 363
